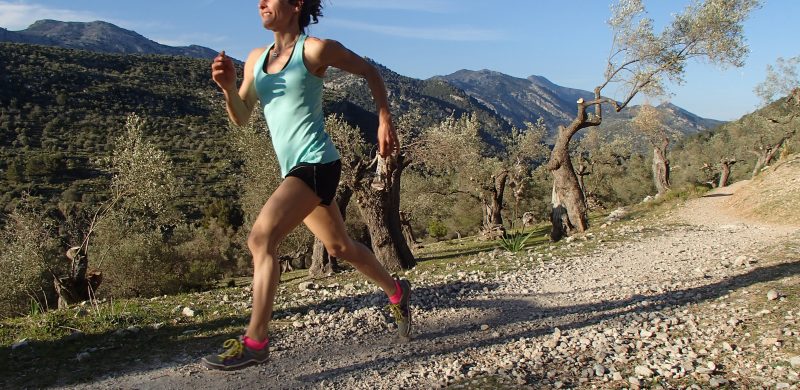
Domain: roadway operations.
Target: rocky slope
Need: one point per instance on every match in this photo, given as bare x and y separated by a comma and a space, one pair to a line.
519, 100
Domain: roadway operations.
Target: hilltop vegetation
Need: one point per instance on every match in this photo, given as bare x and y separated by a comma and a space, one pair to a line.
97, 36
61, 111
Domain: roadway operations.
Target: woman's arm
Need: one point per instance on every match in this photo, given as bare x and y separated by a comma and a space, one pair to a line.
239, 104
320, 54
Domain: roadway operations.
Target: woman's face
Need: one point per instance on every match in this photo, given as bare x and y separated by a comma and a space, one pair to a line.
277, 14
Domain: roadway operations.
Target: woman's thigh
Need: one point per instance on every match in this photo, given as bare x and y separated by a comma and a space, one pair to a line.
286, 208
327, 224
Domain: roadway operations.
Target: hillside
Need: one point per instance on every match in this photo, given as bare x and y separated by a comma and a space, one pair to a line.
432, 98
97, 36
60, 110
519, 100
773, 196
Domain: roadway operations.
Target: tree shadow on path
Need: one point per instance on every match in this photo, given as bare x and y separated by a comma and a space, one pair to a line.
518, 316
534, 320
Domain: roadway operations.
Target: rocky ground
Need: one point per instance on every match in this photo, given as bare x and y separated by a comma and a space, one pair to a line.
696, 298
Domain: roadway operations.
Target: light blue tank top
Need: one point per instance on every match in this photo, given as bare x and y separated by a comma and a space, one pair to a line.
292, 104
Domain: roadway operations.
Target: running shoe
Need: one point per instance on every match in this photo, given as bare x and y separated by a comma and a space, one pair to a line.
401, 310
236, 356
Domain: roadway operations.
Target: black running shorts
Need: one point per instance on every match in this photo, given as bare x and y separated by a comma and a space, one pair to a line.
322, 178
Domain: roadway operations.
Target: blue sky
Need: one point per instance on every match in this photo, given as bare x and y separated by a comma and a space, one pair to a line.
565, 41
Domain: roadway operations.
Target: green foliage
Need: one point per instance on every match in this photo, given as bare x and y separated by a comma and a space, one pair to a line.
60, 110
135, 261
437, 229
204, 254
515, 242
143, 182
28, 255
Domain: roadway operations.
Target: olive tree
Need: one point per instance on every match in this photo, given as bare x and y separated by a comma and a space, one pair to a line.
641, 61
375, 183
649, 123
143, 186
781, 81
455, 150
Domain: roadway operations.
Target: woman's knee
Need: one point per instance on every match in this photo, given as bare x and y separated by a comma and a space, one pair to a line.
262, 242
341, 249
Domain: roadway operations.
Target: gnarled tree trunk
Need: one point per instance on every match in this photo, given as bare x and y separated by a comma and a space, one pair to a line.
725, 173
661, 166
408, 231
766, 154
568, 213
492, 200
581, 172
380, 210
79, 285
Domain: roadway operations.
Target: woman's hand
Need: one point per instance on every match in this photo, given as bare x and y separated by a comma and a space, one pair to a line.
388, 143
223, 72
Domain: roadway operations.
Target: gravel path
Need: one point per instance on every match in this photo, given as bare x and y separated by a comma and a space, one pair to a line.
646, 310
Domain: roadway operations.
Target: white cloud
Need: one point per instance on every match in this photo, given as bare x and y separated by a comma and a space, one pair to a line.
20, 15
436, 6
464, 34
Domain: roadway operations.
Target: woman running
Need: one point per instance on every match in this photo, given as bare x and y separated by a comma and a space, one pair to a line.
286, 78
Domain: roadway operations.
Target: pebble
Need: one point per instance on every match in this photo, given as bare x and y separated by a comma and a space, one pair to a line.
306, 286
717, 382
795, 362
24, 343
772, 295
643, 371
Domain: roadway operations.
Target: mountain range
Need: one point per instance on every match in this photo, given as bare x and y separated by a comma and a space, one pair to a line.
519, 100
97, 36
515, 100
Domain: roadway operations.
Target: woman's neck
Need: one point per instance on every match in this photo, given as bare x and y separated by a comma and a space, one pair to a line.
285, 39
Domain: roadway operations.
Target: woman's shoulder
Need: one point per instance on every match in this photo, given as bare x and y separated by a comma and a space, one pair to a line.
253, 57
315, 47
255, 53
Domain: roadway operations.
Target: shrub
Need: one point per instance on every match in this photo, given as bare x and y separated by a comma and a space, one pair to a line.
134, 261
437, 229
29, 254
204, 254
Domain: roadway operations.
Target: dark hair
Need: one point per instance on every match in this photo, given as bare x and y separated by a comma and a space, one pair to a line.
312, 10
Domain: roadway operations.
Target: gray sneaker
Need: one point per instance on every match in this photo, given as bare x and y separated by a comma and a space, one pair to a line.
401, 310
236, 356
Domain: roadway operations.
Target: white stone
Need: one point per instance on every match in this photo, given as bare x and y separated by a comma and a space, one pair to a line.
20, 344
305, 286
795, 362
643, 371
187, 312
772, 295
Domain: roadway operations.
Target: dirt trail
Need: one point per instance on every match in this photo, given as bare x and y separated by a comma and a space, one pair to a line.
504, 326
